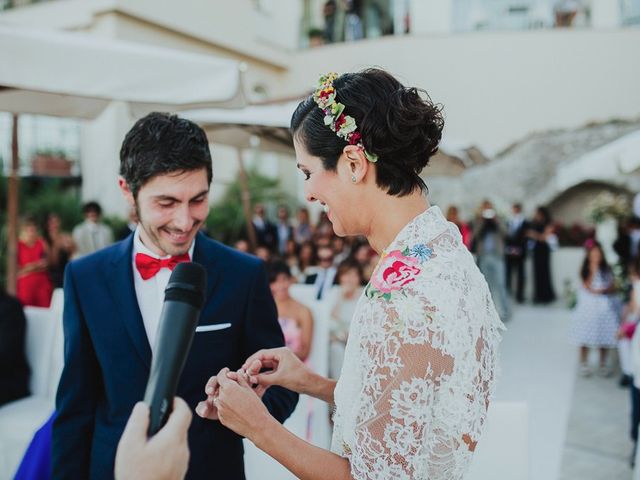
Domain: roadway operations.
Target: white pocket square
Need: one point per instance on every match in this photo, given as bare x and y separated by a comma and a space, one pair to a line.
211, 328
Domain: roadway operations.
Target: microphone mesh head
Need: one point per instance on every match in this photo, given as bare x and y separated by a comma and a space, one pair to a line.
187, 283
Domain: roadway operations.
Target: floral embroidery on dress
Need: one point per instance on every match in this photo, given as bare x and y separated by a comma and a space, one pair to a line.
397, 269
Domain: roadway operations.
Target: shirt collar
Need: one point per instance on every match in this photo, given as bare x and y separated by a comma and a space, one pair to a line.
139, 247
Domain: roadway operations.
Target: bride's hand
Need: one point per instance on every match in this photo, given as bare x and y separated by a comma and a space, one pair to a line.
238, 407
283, 367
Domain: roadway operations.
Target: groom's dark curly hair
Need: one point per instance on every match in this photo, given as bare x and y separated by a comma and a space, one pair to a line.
162, 143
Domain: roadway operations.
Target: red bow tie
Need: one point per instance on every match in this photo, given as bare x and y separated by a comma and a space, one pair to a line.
148, 266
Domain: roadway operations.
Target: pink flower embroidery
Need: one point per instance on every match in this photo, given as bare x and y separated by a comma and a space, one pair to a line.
394, 271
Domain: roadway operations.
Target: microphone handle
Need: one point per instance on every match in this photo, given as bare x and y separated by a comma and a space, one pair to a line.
177, 326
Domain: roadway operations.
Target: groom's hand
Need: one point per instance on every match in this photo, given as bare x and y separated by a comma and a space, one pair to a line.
207, 408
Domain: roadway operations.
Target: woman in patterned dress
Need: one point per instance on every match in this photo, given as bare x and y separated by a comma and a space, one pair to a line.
421, 355
596, 317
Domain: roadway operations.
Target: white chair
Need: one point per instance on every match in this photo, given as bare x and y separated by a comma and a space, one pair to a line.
503, 449
44, 347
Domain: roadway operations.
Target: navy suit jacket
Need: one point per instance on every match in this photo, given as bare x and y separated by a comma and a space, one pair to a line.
108, 357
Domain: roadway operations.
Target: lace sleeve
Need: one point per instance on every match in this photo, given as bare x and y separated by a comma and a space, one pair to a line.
426, 393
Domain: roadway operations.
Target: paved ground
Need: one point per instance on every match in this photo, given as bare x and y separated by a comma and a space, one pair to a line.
578, 427
597, 444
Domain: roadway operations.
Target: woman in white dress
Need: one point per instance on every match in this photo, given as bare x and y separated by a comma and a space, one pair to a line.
420, 361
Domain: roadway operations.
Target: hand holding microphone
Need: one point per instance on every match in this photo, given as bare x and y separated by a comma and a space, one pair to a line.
164, 456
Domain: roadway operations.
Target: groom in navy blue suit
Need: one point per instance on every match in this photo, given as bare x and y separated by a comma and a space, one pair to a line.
112, 306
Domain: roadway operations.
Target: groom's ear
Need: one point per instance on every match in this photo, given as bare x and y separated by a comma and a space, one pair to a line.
126, 191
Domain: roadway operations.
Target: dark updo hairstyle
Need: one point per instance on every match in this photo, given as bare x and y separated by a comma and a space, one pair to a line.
400, 125
161, 143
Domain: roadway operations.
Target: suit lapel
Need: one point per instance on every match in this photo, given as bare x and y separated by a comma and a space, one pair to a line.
123, 294
205, 254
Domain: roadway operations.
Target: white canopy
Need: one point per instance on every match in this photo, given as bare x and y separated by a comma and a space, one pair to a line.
78, 74
239, 127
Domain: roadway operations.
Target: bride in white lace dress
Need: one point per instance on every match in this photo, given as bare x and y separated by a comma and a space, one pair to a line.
420, 361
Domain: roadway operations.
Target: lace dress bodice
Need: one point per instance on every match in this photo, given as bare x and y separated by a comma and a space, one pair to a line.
420, 361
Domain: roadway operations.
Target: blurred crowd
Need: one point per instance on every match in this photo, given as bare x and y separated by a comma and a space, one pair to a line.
297, 250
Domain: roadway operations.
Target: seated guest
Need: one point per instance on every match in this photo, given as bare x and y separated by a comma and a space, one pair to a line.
325, 276
350, 277
295, 319
60, 248
14, 369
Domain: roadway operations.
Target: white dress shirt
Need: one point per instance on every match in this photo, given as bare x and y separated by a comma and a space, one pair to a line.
150, 293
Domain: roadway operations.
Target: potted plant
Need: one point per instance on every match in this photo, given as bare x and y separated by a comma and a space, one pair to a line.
51, 163
606, 210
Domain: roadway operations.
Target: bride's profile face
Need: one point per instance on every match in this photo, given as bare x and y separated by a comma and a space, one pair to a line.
332, 189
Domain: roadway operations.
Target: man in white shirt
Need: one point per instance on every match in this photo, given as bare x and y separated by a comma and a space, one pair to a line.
91, 235
324, 277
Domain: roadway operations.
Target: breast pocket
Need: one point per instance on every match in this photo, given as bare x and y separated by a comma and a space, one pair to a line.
214, 327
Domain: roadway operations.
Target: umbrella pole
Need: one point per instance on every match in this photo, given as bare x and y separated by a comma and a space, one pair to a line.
12, 213
246, 201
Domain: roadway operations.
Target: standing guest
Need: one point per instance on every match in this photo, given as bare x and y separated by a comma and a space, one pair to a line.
543, 240
419, 368
595, 319
489, 232
325, 275
465, 230
303, 231
329, 14
33, 286
91, 235
515, 251
634, 237
295, 319
630, 317
353, 27
60, 248
350, 278
14, 369
266, 232
113, 301
284, 229
130, 227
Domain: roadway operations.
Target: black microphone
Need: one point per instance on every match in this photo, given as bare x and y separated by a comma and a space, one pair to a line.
183, 300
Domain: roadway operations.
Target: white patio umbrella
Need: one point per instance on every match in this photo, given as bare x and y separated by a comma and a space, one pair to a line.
239, 128
79, 75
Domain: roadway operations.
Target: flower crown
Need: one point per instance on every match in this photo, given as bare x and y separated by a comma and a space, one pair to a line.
343, 125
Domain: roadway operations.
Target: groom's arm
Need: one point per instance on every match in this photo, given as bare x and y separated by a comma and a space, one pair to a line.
262, 330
